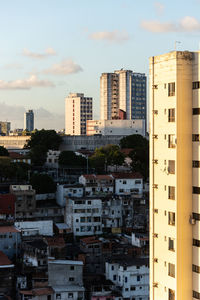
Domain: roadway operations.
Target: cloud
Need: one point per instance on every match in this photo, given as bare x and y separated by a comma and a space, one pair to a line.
159, 7
48, 52
67, 66
13, 66
115, 36
24, 84
186, 24
43, 118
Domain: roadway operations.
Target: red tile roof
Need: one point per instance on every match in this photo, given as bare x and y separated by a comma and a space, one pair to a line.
127, 175
7, 204
16, 155
5, 229
55, 241
90, 240
106, 177
4, 260
38, 292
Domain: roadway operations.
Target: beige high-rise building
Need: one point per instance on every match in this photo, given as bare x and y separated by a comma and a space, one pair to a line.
175, 176
78, 109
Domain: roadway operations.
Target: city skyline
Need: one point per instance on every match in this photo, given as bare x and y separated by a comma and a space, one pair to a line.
50, 50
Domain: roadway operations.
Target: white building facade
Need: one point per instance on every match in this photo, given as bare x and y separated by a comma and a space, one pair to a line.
128, 183
78, 109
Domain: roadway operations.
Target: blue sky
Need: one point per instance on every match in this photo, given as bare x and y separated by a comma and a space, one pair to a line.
52, 47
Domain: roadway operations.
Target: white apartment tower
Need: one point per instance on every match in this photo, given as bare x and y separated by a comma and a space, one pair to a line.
78, 109
29, 120
175, 176
123, 95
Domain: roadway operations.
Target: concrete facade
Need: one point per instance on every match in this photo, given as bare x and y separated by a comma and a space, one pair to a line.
116, 127
174, 176
29, 120
78, 109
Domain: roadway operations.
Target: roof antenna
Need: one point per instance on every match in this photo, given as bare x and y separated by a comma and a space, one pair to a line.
175, 44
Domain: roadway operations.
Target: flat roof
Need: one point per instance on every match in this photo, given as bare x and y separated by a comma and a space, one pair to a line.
66, 262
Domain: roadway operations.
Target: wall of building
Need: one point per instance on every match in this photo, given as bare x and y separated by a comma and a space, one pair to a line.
42, 227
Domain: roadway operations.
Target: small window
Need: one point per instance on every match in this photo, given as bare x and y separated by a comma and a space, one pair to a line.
138, 278
171, 270
70, 295
196, 216
71, 278
171, 166
171, 294
171, 89
196, 111
196, 164
171, 192
171, 244
171, 115
171, 141
195, 268
196, 85
196, 243
72, 268
171, 218
196, 190
124, 181
195, 137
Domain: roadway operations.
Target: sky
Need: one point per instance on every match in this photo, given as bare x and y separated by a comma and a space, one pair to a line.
50, 48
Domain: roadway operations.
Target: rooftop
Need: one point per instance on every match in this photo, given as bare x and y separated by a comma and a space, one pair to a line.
6, 229
127, 175
4, 260
66, 262
90, 240
127, 260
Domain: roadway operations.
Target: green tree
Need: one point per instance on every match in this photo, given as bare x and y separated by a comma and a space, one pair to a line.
47, 138
134, 141
3, 151
43, 183
40, 142
69, 158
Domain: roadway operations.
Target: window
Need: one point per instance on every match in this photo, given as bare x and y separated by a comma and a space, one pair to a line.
196, 164
195, 268
171, 115
196, 216
196, 111
171, 218
121, 190
70, 295
195, 137
171, 192
114, 277
112, 268
124, 181
71, 278
137, 181
132, 288
196, 190
196, 85
171, 270
171, 141
171, 244
58, 296
196, 295
71, 268
171, 166
126, 279
171, 89
196, 243
138, 278
171, 294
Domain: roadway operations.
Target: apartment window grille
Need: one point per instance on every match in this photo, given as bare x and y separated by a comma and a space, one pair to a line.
171, 141
196, 190
196, 111
171, 270
171, 218
171, 192
196, 85
171, 244
196, 216
171, 115
171, 294
196, 243
171, 89
195, 268
196, 164
195, 137
171, 166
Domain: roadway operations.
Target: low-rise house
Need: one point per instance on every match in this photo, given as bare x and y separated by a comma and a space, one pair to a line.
25, 200
128, 183
111, 213
97, 184
65, 277
70, 190
10, 241
7, 207
83, 215
56, 247
19, 158
35, 253
32, 228
52, 158
130, 275
45, 293
6, 275
139, 239
92, 247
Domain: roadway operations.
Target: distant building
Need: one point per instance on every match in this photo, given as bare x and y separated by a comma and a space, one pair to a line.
29, 120
4, 128
6, 275
123, 95
9, 240
78, 109
128, 183
116, 127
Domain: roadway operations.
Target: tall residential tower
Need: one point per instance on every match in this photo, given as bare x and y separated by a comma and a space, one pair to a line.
78, 109
29, 120
175, 176
123, 95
